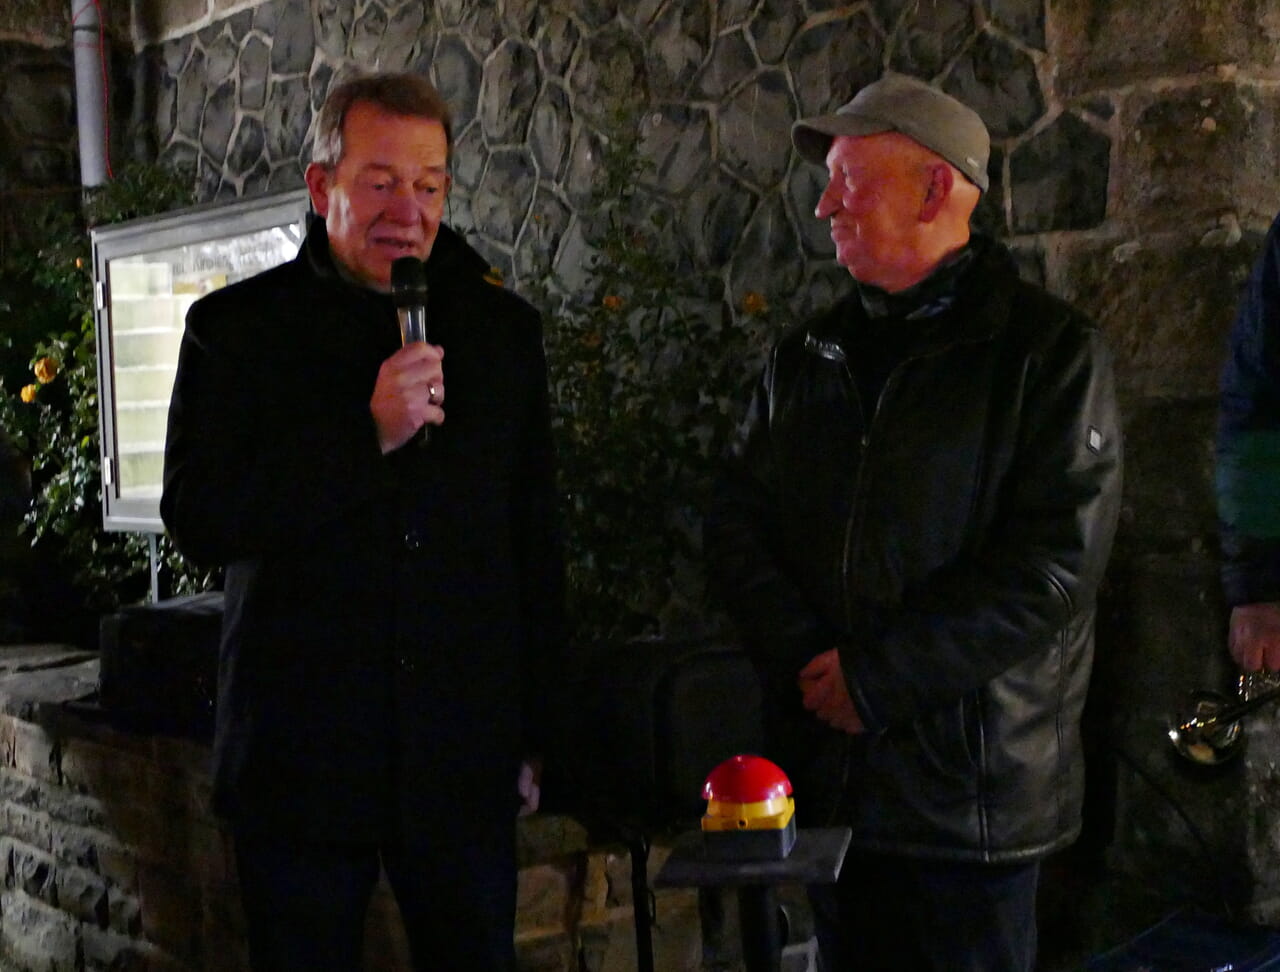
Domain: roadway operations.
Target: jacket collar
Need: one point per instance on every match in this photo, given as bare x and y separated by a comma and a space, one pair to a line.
451, 257
966, 306
928, 298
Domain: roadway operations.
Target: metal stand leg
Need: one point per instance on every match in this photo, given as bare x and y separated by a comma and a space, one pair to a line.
761, 936
641, 902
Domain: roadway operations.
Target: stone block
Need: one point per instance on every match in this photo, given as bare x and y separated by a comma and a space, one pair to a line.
118, 864
548, 836
224, 932
595, 900
544, 897
30, 750
1262, 822
76, 809
18, 788
171, 910
1168, 475
1165, 302
617, 870
91, 767
1108, 43
106, 949
1193, 152
36, 935
124, 911
508, 92
155, 20
999, 81
1058, 178
931, 36
32, 872
546, 952
211, 855
28, 826
150, 832
76, 845
82, 894
185, 756
754, 125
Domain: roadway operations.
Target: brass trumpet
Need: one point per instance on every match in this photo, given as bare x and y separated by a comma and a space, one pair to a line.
1207, 730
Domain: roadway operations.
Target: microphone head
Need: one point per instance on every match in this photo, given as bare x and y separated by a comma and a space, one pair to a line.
408, 281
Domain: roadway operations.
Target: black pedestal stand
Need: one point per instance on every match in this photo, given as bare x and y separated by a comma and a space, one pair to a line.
815, 859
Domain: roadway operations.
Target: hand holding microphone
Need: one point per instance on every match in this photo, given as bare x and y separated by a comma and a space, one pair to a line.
409, 391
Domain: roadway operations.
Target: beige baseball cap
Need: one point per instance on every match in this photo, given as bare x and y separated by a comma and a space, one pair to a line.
897, 103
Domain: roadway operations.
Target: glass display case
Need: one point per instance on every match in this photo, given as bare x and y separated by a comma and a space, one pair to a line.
147, 273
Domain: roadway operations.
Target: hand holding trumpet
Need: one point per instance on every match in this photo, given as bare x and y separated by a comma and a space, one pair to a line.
1254, 636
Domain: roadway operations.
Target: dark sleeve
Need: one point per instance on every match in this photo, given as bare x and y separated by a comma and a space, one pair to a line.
539, 551
778, 626
1039, 569
258, 456
1247, 474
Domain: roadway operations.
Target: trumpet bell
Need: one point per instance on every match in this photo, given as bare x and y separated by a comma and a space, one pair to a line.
1201, 734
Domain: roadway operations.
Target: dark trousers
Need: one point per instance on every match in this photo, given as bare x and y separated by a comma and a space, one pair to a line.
891, 914
305, 902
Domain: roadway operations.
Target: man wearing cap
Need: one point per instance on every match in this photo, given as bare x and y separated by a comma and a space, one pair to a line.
910, 534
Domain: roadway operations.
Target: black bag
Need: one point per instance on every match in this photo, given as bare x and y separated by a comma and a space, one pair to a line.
641, 724
159, 665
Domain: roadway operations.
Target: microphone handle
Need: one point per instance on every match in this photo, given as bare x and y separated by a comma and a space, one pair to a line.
413, 323
413, 327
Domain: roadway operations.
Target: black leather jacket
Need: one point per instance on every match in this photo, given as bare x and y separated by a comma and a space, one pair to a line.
950, 544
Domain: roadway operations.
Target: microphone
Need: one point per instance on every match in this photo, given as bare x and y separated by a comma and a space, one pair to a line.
409, 294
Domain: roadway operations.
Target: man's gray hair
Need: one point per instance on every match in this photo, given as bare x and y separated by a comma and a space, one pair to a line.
400, 93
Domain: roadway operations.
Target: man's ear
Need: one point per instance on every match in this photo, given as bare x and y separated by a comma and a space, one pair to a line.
317, 179
941, 180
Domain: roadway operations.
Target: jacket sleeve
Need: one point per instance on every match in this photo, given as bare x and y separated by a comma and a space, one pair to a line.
1247, 474
539, 555
1037, 569
255, 461
778, 626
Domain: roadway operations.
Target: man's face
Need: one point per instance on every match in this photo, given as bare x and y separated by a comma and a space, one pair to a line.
876, 186
385, 197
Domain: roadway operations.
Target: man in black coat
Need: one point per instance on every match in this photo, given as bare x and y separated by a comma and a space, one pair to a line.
392, 603
910, 535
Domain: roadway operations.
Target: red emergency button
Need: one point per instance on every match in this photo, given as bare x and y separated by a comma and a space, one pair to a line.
750, 813
746, 779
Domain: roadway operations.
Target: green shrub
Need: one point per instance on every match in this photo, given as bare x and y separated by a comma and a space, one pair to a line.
650, 367
50, 410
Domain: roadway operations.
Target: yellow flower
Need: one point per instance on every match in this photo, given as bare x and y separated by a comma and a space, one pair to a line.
46, 370
754, 303
28, 393
79, 263
591, 339
494, 276
612, 302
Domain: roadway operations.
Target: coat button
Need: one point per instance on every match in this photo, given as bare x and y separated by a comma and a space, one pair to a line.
412, 540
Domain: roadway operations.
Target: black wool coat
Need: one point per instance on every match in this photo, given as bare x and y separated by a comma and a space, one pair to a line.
389, 619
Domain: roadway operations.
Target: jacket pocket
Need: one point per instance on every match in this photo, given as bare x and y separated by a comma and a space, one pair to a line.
950, 742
